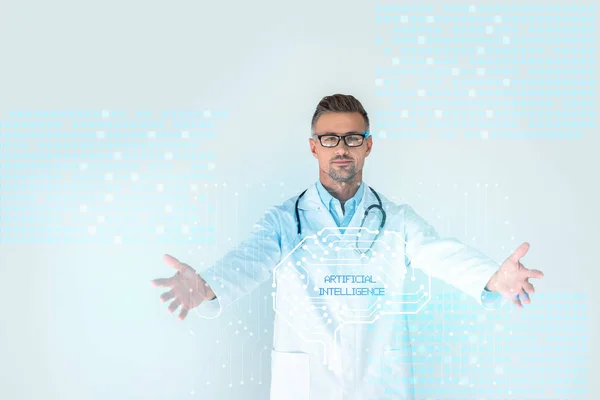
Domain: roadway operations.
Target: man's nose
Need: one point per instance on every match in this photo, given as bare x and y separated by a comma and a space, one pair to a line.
341, 148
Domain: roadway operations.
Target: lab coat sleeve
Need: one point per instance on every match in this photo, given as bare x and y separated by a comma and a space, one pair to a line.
450, 260
245, 267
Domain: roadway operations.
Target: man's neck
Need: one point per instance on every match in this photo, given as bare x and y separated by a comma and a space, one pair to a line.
343, 191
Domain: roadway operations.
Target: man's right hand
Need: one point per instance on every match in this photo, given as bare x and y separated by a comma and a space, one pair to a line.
187, 287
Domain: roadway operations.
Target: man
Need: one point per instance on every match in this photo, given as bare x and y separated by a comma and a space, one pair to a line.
329, 346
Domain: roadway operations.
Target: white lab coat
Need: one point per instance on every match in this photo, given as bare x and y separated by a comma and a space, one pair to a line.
315, 355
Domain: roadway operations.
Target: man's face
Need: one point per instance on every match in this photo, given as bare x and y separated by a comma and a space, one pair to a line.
341, 162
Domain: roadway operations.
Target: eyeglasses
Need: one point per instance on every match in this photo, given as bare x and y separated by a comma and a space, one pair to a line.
352, 139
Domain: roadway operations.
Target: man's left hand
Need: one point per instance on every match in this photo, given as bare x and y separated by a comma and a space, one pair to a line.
512, 279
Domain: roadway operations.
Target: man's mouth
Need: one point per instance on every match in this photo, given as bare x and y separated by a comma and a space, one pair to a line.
342, 162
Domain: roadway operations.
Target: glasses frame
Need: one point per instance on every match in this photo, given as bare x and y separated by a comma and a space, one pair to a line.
364, 135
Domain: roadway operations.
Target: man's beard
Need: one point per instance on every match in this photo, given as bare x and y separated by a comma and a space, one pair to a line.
345, 174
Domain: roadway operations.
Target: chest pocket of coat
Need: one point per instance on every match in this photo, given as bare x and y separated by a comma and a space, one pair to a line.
289, 376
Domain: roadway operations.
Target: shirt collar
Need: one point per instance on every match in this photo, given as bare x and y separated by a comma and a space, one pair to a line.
327, 198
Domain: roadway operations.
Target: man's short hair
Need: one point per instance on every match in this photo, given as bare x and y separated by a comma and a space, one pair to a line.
339, 103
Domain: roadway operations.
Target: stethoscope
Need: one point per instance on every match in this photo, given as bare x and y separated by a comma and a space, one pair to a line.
379, 206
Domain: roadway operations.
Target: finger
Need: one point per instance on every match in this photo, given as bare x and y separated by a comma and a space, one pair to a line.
174, 304
518, 303
534, 273
183, 313
528, 287
173, 262
523, 296
167, 295
520, 252
185, 269
162, 282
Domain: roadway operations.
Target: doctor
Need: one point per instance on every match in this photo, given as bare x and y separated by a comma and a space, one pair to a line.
318, 355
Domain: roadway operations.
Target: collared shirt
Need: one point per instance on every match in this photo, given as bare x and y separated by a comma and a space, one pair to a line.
341, 218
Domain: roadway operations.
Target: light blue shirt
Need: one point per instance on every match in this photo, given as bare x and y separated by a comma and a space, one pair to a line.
341, 218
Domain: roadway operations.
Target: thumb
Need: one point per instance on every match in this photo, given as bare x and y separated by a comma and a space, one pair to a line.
520, 252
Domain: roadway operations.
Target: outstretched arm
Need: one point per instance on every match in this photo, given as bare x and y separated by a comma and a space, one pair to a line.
450, 260
237, 273
245, 267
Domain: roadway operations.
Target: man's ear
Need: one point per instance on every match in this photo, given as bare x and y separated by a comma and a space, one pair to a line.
313, 147
369, 145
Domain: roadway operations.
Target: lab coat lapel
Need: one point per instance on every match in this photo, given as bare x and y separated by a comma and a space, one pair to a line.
319, 216
316, 215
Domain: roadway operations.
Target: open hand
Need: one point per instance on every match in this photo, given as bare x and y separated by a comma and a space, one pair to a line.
188, 289
512, 279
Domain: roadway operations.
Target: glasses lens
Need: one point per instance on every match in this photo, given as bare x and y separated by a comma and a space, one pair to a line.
354, 140
329, 141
